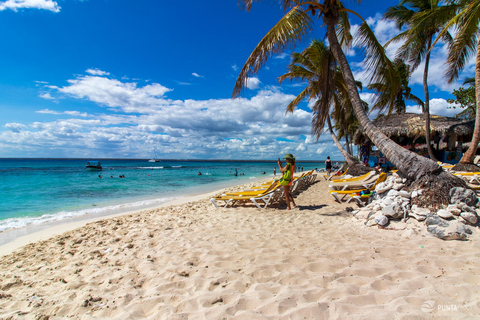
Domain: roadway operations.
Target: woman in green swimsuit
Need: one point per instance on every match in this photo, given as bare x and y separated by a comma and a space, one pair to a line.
287, 178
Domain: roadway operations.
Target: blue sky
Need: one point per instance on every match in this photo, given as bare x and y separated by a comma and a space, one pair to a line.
120, 79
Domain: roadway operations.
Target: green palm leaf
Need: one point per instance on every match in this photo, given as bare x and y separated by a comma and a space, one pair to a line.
291, 29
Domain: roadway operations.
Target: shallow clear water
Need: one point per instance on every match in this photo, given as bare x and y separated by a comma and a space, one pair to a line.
34, 191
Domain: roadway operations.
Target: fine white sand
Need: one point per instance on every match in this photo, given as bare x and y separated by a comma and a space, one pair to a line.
193, 261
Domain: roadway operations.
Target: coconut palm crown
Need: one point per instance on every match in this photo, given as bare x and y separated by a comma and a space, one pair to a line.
317, 66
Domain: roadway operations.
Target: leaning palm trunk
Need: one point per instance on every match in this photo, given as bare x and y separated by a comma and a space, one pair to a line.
421, 172
354, 166
427, 104
409, 163
466, 163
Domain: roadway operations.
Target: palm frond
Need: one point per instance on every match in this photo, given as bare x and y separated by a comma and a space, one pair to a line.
299, 98
376, 59
400, 14
465, 41
344, 35
470, 81
290, 30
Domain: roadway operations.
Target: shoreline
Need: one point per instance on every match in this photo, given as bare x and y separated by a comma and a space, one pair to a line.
16, 238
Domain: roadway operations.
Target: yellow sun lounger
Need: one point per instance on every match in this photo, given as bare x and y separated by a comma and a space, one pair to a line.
327, 177
475, 187
366, 182
343, 193
358, 178
470, 176
257, 192
265, 197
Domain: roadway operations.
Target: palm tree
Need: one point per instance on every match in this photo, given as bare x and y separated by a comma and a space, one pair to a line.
466, 42
394, 98
294, 27
346, 123
317, 67
423, 22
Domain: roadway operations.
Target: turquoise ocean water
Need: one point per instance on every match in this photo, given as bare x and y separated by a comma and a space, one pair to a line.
39, 191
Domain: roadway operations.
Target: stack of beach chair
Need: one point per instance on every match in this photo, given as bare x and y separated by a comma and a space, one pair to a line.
266, 194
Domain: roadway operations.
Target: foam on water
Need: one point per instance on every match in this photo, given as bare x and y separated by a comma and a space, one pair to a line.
15, 223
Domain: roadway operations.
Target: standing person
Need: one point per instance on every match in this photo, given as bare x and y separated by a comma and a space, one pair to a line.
328, 165
287, 178
274, 171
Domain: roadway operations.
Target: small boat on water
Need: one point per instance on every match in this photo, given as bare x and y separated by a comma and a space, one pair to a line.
155, 159
93, 165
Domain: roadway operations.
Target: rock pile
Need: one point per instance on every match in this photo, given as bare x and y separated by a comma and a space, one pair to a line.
391, 202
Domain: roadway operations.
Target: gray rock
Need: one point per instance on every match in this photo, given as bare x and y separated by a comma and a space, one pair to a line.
454, 209
416, 193
469, 217
404, 194
434, 220
371, 223
381, 220
464, 207
462, 195
417, 216
442, 213
361, 214
420, 211
387, 201
393, 211
383, 187
398, 186
452, 230
392, 193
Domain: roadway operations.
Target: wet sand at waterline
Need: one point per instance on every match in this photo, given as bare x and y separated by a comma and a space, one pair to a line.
193, 261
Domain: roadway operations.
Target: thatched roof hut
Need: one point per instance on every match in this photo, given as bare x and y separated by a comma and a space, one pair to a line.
406, 128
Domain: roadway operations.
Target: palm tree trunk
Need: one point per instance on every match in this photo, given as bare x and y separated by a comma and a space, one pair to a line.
347, 144
348, 157
427, 104
469, 156
409, 163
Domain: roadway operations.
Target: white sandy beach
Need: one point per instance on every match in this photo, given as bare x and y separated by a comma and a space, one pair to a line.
193, 261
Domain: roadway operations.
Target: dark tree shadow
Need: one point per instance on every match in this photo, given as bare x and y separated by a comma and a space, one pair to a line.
312, 207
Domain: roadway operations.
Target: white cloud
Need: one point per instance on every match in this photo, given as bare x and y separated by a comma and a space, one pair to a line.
253, 83
138, 118
97, 72
15, 127
437, 106
196, 75
281, 56
15, 5
72, 113
116, 94
46, 96
234, 67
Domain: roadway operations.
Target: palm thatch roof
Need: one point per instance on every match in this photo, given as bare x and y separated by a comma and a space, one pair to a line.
412, 125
